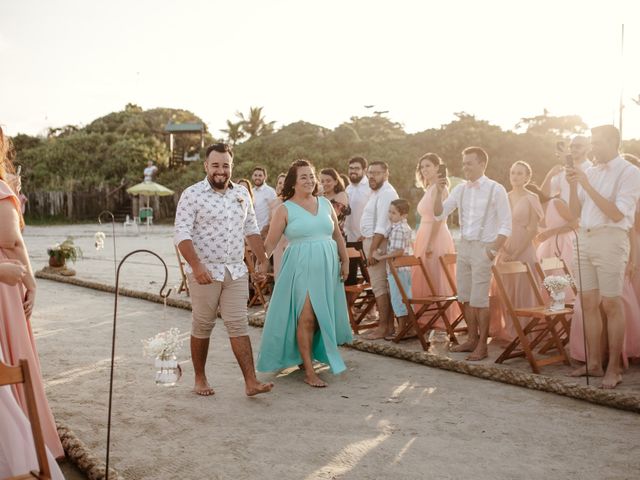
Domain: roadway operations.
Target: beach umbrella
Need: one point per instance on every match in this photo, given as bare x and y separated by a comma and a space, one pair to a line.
149, 189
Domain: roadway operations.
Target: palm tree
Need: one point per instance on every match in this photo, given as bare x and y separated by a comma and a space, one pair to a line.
234, 132
255, 124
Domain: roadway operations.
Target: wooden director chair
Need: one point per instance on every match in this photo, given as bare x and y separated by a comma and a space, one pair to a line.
184, 285
260, 287
438, 304
539, 322
360, 297
553, 266
447, 261
21, 374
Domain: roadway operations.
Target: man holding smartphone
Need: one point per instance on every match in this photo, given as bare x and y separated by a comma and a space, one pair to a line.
555, 182
485, 224
604, 198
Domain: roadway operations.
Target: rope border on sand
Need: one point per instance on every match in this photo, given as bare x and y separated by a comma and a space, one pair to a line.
78, 453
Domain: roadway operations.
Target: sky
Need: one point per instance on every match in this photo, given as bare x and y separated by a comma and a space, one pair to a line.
69, 62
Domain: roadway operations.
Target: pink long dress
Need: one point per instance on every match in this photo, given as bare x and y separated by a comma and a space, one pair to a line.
517, 286
17, 453
631, 346
17, 342
441, 244
557, 246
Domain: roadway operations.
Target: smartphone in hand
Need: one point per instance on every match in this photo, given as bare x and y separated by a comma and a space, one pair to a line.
442, 171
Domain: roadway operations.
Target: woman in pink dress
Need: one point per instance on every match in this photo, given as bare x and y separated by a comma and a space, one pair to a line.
16, 304
433, 238
526, 213
556, 236
282, 244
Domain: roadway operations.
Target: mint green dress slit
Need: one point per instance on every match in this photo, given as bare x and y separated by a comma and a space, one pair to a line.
309, 266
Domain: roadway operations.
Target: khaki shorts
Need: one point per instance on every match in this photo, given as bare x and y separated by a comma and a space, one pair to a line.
473, 273
604, 253
377, 272
230, 295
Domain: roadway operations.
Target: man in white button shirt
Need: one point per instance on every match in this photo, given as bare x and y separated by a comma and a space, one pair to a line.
263, 194
358, 192
213, 218
604, 198
485, 224
373, 225
555, 183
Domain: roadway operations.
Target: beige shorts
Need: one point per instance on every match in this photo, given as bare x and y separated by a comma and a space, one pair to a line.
377, 272
230, 295
604, 253
473, 273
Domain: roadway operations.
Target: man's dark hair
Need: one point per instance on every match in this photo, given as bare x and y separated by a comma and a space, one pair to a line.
220, 148
380, 163
259, 168
610, 132
361, 160
402, 205
481, 154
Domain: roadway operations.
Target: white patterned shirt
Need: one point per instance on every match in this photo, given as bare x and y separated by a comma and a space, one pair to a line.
217, 224
262, 197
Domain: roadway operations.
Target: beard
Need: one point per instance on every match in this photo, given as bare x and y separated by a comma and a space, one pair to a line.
216, 182
258, 183
355, 178
373, 185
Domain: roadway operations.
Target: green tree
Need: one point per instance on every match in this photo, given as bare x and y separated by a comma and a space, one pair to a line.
234, 132
255, 124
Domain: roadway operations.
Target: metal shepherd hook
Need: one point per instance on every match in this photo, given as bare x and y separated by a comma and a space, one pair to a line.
113, 339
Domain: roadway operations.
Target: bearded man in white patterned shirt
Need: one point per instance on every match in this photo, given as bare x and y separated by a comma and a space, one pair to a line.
213, 218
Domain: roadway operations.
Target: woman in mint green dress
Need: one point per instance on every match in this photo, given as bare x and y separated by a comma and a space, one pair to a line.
307, 317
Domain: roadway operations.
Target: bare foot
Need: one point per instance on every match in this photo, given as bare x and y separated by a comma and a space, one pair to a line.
315, 381
202, 387
467, 346
480, 353
611, 380
375, 335
258, 388
582, 372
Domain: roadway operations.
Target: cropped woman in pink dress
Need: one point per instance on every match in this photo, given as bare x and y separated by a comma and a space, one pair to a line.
526, 213
282, 244
433, 238
16, 304
555, 238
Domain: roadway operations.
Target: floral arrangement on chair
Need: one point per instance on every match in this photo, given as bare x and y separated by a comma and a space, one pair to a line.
163, 347
555, 285
60, 252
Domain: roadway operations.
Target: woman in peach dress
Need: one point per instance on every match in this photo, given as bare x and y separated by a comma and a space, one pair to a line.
16, 304
556, 236
282, 244
433, 238
526, 213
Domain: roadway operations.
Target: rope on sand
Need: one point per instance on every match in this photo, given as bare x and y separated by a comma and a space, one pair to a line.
78, 453
609, 398
511, 376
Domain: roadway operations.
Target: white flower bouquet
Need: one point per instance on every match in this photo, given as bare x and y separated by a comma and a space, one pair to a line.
98, 239
557, 283
164, 345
